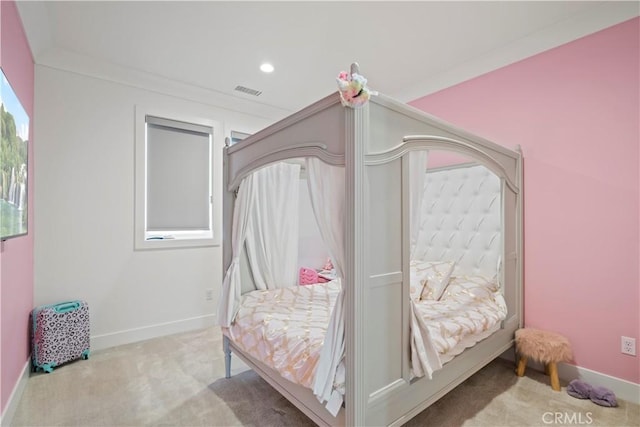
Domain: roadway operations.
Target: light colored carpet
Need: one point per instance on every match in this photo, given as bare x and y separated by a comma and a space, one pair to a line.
178, 380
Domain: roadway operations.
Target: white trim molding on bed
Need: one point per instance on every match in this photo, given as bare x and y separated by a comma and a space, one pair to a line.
373, 145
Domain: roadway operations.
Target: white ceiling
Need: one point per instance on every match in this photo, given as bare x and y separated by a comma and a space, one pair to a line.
405, 49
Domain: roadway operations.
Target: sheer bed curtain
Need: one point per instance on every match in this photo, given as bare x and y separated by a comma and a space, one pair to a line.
272, 234
253, 218
326, 190
231, 288
424, 357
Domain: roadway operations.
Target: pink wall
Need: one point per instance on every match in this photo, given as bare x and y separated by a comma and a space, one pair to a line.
16, 259
575, 112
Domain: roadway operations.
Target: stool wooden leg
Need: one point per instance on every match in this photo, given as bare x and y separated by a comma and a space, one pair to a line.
553, 374
522, 365
546, 369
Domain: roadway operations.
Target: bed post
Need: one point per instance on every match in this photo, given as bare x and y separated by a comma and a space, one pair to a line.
227, 356
227, 210
356, 140
227, 221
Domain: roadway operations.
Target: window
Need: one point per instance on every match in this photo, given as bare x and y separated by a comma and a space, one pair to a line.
238, 136
175, 181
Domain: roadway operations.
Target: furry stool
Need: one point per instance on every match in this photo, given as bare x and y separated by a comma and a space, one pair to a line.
542, 346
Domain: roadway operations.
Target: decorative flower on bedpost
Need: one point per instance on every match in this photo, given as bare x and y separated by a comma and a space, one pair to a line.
353, 88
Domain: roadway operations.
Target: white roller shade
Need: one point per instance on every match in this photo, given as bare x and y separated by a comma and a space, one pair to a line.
178, 175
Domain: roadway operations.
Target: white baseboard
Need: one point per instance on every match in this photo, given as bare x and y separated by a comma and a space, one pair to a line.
6, 418
624, 390
128, 336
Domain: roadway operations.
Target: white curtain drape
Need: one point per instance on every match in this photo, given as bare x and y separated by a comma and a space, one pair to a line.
424, 357
231, 287
252, 213
417, 169
326, 190
272, 233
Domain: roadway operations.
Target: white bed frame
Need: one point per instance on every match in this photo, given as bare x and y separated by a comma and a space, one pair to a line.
371, 143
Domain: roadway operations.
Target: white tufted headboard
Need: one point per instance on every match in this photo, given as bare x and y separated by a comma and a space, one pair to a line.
461, 219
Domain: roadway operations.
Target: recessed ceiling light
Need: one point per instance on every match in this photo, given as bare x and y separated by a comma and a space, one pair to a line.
266, 68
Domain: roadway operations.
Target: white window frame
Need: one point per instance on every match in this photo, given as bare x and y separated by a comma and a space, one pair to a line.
175, 238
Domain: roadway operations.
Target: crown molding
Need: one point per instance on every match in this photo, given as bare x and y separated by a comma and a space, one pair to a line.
64, 60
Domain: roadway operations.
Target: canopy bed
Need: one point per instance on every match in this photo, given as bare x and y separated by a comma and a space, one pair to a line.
412, 251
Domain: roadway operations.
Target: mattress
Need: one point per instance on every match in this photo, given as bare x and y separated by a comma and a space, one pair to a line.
470, 310
285, 328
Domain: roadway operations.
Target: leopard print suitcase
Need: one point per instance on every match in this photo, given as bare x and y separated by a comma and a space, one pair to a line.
60, 333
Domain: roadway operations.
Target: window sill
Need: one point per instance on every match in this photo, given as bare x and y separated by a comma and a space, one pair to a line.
174, 241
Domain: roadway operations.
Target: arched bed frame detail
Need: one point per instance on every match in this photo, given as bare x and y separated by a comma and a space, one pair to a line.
299, 150
365, 141
426, 142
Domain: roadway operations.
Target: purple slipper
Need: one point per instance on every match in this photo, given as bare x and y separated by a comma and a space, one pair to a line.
579, 389
603, 396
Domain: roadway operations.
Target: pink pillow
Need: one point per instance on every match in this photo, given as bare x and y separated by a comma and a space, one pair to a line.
308, 276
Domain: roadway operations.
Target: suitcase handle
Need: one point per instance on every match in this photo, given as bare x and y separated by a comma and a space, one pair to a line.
64, 307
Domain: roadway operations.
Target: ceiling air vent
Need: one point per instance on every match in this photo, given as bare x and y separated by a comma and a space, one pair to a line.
248, 91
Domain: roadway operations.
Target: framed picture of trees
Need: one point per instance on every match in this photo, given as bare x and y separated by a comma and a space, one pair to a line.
13, 163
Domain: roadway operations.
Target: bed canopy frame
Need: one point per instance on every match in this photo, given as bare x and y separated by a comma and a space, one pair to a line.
371, 143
